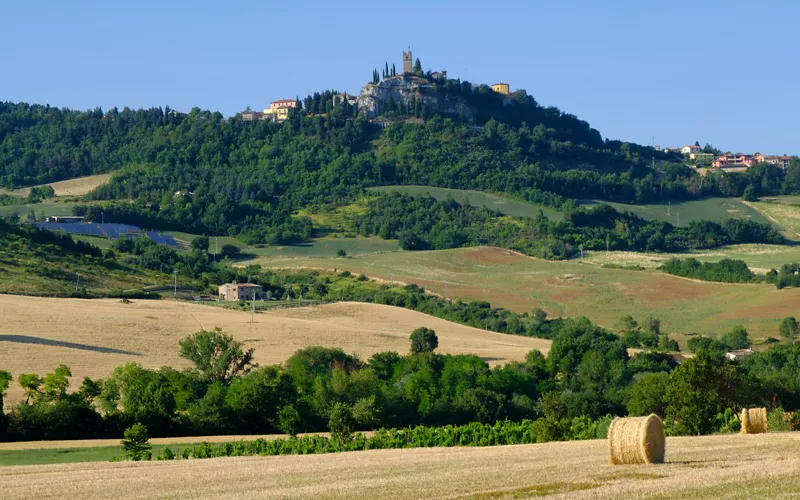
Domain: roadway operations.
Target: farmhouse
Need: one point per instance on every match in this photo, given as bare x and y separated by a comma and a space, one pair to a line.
240, 291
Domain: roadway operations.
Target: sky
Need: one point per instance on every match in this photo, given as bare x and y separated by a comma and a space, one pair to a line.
721, 72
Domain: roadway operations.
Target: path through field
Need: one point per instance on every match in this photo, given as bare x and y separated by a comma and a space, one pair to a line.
730, 466
93, 337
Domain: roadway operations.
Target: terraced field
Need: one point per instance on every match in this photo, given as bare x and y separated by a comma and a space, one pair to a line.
727, 466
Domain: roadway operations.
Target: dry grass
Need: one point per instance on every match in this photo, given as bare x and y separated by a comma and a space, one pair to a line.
754, 421
73, 187
94, 336
786, 216
741, 466
636, 440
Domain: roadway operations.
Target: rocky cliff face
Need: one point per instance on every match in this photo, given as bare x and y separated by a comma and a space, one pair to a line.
407, 89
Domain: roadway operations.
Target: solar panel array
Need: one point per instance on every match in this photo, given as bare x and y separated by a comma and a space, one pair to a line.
109, 230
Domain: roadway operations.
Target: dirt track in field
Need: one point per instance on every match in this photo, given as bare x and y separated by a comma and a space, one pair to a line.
93, 337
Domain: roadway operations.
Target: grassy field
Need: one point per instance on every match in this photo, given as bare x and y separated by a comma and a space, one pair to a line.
760, 258
48, 208
713, 209
520, 283
503, 204
728, 466
782, 212
93, 337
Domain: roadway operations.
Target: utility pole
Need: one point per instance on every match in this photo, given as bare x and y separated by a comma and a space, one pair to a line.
216, 247
581, 253
77, 281
175, 274
679, 220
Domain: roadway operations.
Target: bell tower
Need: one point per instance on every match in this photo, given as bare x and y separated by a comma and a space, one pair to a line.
407, 61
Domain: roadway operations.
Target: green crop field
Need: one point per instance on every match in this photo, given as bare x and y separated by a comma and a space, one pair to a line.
47, 207
713, 209
318, 248
520, 283
68, 455
505, 205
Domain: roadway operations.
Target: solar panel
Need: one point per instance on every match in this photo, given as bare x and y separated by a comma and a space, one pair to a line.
109, 230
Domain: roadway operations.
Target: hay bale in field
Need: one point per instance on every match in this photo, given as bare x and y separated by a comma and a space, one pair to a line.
754, 421
636, 440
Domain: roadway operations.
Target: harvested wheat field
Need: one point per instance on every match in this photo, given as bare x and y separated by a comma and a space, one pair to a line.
93, 337
73, 187
730, 466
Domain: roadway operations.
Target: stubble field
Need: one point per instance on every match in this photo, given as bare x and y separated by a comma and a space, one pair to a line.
730, 466
93, 337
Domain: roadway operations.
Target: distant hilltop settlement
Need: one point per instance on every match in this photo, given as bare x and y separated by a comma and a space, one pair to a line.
704, 158
413, 92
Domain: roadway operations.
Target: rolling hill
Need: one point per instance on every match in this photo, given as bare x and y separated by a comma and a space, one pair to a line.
93, 337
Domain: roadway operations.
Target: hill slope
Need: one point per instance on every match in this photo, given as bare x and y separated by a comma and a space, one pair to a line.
94, 337
765, 466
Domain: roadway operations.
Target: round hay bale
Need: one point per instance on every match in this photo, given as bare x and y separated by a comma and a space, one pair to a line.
636, 440
754, 421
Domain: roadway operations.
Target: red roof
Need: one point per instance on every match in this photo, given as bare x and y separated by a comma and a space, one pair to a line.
282, 101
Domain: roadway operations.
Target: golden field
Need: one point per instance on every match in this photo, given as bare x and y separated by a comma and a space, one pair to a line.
93, 337
72, 187
728, 466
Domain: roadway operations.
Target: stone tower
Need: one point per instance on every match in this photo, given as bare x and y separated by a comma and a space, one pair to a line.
407, 61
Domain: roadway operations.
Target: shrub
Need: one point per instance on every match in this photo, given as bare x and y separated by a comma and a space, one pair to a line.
341, 423
136, 443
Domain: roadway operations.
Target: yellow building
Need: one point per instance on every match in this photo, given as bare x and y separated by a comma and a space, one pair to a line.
501, 88
279, 110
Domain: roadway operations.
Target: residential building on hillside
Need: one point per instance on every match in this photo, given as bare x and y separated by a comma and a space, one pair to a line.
240, 291
701, 156
687, 150
279, 110
439, 75
501, 88
780, 161
737, 160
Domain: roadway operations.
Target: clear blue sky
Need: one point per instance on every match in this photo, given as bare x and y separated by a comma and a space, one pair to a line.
724, 72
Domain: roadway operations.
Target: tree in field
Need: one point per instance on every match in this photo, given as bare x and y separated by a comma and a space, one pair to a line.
750, 193
423, 340
217, 355
289, 420
700, 388
341, 423
738, 338
200, 244
649, 395
136, 442
789, 329
341, 253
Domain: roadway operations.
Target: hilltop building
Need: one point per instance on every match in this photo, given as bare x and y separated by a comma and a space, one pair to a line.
407, 62
737, 160
687, 150
279, 110
245, 291
501, 88
251, 116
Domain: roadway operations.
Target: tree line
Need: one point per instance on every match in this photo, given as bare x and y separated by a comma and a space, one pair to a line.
587, 375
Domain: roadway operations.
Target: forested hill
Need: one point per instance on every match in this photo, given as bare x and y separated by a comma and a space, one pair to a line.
205, 174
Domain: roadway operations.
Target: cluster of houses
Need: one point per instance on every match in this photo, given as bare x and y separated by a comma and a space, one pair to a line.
733, 162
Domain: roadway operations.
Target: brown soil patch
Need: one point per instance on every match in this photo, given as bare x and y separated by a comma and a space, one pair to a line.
93, 337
